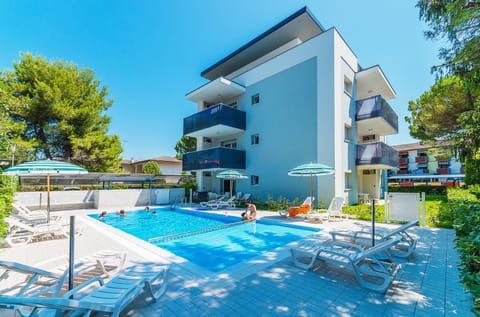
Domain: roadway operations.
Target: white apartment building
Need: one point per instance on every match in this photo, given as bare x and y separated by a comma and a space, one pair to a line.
295, 94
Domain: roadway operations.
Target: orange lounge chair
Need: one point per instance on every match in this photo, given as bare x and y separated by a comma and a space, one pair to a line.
304, 208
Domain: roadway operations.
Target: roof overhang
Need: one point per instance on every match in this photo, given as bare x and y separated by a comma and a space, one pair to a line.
300, 26
371, 82
216, 91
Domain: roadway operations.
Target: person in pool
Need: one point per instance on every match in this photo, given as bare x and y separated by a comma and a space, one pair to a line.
147, 209
121, 213
102, 215
250, 212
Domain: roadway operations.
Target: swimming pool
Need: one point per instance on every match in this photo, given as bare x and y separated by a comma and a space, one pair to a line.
214, 242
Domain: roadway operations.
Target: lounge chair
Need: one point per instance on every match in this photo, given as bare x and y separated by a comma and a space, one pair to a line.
334, 211
104, 263
109, 298
370, 272
229, 203
212, 202
33, 216
304, 208
21, 233
403, 249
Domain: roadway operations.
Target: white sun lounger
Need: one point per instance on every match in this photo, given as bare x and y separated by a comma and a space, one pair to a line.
21, 233
33, 215
110, 298
403, 249
370, 272
104, 263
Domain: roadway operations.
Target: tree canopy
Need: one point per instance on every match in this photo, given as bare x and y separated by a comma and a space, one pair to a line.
58, 111
435, 115
441, 113
185, 145
151, 167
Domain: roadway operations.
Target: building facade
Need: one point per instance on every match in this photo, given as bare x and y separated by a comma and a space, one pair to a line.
296, 94
168, 165
427, 162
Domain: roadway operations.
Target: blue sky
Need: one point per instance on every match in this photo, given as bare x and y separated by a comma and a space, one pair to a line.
150, 53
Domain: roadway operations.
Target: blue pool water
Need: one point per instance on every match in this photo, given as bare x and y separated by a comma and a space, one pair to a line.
213, 250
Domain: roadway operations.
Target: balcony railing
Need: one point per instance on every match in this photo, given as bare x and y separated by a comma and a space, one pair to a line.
443, 171
217, 115
376, 107
376, 154
421, 159
218, 157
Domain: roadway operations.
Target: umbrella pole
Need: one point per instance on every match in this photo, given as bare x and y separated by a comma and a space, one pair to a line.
311, 192
48, 198
373, 222
71, 254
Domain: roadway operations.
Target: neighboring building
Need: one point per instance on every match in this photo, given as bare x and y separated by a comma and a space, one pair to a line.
168, 165
427, 161
295, 94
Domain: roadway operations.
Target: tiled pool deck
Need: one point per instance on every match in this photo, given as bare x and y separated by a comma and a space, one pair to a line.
427, 285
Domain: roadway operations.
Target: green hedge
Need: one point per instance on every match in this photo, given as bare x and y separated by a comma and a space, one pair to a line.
7, 188
465, 208
427, 189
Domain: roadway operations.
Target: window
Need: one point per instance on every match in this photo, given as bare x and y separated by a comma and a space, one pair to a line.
255, 139
231, 144
207, 174
347, 86
207, 140
347, 135
255, 99
254, 180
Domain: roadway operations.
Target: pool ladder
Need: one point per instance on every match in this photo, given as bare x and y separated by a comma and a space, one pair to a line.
190, 233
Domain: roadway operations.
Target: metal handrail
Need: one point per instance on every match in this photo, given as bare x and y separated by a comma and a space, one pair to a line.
180, 235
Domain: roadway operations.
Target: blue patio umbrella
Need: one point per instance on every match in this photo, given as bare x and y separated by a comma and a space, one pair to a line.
45, 168
48, 167
311, 169
231, 175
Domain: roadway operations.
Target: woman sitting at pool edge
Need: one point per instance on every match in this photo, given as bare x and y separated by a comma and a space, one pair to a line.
250, 212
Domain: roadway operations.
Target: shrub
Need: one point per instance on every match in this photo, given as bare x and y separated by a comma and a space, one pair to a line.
427, 189
465, 209
7, 188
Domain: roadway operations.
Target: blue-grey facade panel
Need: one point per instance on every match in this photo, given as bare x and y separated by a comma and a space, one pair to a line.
216, 115
214, 158
377, 153
375, 107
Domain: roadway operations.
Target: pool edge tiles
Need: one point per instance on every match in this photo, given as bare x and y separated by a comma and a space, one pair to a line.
227, 250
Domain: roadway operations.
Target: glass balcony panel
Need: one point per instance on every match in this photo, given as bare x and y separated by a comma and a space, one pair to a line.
218, 157
377, 153
377, 108
217, 115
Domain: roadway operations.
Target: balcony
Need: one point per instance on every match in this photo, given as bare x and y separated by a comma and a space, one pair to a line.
376, 156
421, 159
218, 120
218, 157
375, 116
443, 171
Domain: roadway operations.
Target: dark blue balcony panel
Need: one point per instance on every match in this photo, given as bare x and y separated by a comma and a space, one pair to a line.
376, 156
375, 116
214, 121
218, 157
